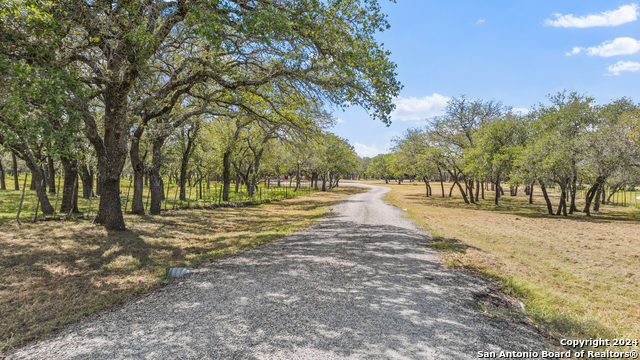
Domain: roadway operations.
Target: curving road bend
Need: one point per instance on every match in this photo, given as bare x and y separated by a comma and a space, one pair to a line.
359, 284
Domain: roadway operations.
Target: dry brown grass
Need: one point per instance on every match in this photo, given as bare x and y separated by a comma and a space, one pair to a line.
52, 273
578, 276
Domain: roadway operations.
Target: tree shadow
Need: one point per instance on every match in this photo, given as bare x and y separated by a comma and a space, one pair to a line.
338, 289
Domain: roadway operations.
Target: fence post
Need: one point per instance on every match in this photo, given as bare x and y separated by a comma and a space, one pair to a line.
24, 186
127, 201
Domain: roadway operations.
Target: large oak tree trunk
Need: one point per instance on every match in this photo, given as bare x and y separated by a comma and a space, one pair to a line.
110, 213
111, 151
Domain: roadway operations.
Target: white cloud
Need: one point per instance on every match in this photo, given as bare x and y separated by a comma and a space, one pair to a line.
339, 121
619, 46
368, 151
409, 109
576, 50
624, 66
480, 21
521, 111
624, 14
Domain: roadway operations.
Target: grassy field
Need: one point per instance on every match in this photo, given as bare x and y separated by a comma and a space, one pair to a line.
577, 276
10, 199
52, 273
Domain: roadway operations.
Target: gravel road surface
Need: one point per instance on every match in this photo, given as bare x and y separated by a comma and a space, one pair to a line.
359, 284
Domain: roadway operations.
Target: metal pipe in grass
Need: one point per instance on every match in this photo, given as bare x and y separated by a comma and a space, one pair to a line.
21, 198
127, 201
166, 198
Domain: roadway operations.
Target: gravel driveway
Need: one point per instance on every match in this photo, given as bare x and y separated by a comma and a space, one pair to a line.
359, 284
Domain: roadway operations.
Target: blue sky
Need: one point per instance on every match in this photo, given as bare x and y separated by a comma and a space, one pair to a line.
516, 52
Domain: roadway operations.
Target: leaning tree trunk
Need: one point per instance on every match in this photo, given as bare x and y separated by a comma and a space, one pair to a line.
41, 189
464, 194
38, 174
546, 197
594, 192
70, 187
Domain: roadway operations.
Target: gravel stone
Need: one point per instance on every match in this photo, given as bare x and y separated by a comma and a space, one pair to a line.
359, 284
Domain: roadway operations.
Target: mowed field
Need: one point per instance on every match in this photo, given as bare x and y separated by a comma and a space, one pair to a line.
55, 272
578, 276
